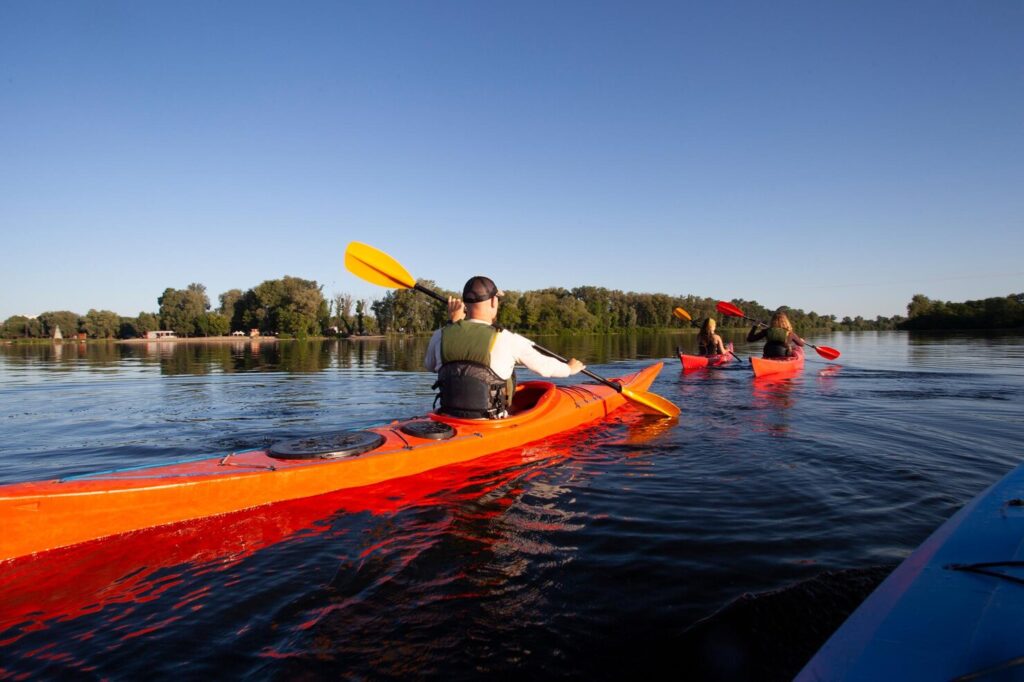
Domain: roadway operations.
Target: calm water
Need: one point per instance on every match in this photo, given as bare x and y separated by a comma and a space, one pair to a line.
590, 555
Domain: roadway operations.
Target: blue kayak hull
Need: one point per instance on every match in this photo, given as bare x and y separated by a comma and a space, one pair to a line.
953, 608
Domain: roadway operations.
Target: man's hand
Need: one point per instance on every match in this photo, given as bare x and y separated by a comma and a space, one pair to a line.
456, 309
575, 366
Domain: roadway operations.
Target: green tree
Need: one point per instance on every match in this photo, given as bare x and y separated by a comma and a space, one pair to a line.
405, 310
919, 305
127, 329
343, 303
289, 305
213, 324
182, 309
22, 327
68, 322
147, 322
367, 323
229, 304
101, 324
509, 315
383, 310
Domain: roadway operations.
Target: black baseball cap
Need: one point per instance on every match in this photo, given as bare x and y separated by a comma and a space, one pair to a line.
480, 288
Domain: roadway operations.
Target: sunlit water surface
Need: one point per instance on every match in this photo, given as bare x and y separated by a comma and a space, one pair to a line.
589, 555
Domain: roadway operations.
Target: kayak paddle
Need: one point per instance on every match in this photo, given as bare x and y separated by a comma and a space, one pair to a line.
685, 316
379, 268
729, 309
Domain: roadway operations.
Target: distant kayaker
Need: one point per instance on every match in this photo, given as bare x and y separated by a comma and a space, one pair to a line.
779, 337
475, 359
709, 343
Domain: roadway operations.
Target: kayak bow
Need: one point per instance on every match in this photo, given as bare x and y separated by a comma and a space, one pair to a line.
43, 515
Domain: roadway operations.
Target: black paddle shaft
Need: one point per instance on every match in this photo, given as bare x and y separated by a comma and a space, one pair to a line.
430, 292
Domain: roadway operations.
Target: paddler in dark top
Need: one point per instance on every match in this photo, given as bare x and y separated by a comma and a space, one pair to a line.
475, 359
779, 337
709, 343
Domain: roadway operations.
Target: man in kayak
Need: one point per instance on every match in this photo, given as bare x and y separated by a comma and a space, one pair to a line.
779, 337
475, 359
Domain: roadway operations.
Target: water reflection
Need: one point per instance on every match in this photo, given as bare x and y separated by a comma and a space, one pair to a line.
774, 396
393, 354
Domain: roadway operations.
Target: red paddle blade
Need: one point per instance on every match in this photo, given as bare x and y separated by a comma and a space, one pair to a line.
827, 353
727, 308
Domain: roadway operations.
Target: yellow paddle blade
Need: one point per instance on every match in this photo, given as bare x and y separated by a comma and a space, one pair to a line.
376, 267
681, 314
652, 402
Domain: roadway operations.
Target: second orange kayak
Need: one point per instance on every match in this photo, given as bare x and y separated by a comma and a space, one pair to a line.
780, 366
42, 515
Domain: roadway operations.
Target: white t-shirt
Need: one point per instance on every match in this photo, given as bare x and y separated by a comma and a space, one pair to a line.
509, 350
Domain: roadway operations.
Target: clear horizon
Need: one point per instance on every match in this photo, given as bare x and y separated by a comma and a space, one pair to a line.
837, 159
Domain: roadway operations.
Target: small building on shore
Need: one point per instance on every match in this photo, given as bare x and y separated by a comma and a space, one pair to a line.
161, 334
57, 336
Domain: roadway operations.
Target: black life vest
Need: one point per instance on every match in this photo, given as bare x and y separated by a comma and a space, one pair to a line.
776, 343
468, 387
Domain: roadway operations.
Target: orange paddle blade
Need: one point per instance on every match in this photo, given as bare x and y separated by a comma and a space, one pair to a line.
652, 402
377, 267
682, 314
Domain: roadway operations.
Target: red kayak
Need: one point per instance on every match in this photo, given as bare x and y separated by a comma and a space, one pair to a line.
778, 366
700, 361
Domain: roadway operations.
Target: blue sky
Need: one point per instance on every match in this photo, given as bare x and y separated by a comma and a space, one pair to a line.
835, 157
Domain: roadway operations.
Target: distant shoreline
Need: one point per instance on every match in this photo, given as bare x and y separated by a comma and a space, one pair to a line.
244, 339
198, 339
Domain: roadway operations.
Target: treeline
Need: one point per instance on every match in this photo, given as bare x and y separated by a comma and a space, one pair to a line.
1005, 312
296, 307
288, 306
596, 309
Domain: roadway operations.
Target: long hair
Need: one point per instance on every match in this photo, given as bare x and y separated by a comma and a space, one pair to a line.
707, 331
780, 319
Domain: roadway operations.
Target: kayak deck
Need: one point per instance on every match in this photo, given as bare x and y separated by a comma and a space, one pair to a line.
42, 515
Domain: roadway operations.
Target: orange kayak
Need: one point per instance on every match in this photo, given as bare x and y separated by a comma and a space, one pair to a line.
700, 361
43, 515
791, 365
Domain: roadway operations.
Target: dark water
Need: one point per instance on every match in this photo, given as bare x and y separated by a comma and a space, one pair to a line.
591, 555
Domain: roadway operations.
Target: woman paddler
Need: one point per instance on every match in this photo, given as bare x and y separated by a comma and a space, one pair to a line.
779, 337
708, 342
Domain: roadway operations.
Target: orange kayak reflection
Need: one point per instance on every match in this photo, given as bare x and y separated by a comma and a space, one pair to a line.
113, 575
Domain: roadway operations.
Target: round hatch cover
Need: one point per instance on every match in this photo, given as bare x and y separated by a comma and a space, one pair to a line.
429, 429
328, 446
